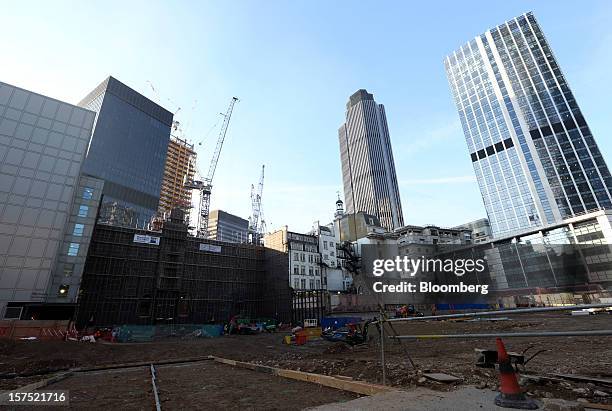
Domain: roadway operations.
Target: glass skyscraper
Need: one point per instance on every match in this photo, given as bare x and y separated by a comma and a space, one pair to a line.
368, 170
128, 151
535, 158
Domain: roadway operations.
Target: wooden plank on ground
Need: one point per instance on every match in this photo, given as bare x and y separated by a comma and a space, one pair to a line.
359, 387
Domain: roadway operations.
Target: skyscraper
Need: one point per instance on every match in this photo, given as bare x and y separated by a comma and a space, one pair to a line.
368, 170
128, 151
535, 158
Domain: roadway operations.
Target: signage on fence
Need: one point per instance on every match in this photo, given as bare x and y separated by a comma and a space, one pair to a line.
146, 239
210, 247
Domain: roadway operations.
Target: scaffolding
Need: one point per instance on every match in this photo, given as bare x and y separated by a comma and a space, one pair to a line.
178, 279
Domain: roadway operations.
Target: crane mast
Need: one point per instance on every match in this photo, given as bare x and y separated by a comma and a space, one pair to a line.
256, 222
205, 185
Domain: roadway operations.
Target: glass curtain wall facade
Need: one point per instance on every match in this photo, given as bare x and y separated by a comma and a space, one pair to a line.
42, 146
128, 151
533, 153
368, 169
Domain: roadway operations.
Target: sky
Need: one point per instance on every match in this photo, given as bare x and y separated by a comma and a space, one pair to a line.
293, 64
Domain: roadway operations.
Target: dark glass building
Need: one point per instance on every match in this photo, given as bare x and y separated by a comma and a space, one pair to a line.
127, 151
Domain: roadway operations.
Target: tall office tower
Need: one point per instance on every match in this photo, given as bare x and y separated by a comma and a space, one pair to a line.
128, 151
179, 168
535, 158
368, 170
47, 208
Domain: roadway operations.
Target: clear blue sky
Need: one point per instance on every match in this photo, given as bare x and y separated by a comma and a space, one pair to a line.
294, 65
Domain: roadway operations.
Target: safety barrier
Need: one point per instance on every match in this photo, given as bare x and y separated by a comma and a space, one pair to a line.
381, 323
144, 333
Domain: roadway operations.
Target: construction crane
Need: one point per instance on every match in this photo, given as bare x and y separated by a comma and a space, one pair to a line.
257, 224
204, 186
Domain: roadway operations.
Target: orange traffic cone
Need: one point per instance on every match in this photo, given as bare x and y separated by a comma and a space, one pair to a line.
510, 394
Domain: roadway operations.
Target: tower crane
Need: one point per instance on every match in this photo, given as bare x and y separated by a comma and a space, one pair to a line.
204, 186
257, 225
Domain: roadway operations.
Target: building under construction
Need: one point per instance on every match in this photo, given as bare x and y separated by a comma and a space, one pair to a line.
134, 276
179, 169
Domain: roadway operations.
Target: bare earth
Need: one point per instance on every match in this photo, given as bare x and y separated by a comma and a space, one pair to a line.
207, 384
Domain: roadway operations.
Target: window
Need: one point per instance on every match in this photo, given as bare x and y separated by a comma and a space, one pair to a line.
68, 270
296, 270
88, 193
296, 283
296, 256
73, 249
78, 230
303, 258
83, 211
311, 284
310, 258
303, 283
316, 271
310, 272
325, 245
318, 284
303, 270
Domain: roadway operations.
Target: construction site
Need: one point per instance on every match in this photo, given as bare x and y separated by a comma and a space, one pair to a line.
262, 371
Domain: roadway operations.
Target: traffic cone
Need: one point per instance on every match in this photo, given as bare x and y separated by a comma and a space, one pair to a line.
510, 394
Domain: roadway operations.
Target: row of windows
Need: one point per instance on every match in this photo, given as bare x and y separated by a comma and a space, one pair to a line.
302, 270
79, 228
301, 284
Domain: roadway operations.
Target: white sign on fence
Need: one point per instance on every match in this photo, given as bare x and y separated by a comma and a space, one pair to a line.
210, 247
146, 239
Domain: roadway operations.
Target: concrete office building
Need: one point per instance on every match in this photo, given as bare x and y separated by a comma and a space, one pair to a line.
431, 234
368, 169
223, 226
128, 151
43, 143
535, 158
303, 254
481, 230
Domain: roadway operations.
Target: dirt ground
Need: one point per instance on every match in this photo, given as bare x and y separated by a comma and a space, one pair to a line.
587, 356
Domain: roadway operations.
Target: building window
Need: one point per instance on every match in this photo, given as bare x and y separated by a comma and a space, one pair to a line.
310, 272
296, 256
311, 284
325, 245
303, 283
303, 270
318, 284
78, 230
83, 211
310, 258
73, 249
296, 283
68, 270
296, 270
316, 271
303, 258
88, 193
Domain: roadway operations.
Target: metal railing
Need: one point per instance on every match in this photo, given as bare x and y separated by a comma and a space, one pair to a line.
381, 323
